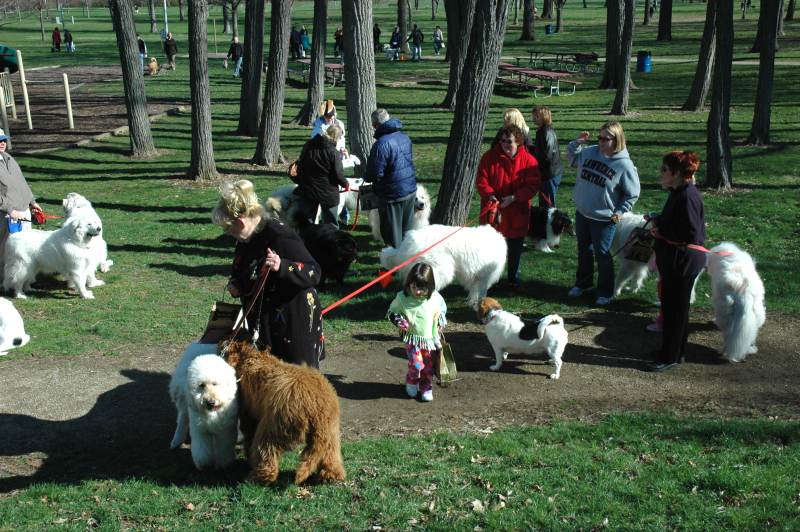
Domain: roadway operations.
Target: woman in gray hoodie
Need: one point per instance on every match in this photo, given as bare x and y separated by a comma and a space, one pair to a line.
606, 187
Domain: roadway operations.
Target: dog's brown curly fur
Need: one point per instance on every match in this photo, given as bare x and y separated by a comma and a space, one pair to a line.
282, 405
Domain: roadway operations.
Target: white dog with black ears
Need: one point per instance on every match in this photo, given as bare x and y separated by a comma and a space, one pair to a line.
738, 297
204, 390
509, 334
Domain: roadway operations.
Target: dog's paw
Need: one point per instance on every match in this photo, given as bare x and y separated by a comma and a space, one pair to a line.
87, 295
96, 282
106, 266
20, 295
752, 350
554, 376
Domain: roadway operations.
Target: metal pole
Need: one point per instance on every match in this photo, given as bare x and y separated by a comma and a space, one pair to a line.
24, 84
4, 117
69, 101
11, 95
166, 24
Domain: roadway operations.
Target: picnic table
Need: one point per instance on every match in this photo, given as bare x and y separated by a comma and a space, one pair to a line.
570, 62
333, 71
527, 77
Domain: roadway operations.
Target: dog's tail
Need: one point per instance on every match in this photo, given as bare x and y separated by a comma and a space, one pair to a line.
742, 328
550, 319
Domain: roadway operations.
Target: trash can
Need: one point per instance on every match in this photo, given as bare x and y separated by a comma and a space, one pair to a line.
644, 61
549, 29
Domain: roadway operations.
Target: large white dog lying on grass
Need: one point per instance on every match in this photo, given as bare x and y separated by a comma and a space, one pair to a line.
474, 257
203, 388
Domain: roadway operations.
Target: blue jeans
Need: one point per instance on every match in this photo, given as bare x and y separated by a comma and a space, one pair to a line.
594, 243
141, 61
238, 69
437, 46
549, 189
416, 52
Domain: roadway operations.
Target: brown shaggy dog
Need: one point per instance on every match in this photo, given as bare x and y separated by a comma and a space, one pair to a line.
282, 405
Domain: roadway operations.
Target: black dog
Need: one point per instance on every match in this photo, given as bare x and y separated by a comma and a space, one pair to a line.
334, 250
546, 227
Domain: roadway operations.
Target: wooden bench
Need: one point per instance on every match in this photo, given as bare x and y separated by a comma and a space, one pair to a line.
515, 84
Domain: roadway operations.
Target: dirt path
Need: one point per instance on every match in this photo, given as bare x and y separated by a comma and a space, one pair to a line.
77, 418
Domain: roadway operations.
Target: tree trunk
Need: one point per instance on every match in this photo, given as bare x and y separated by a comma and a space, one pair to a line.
141, 138
559, 20
151, 10
547, 9
402, 23
719, 170
790, 11
359, 72
760, 42
620, 106
646, 21
472, 107
527, 21
226, 17
759, 131
316, 74
460, 14
614, 23
235, 17
705, 61
780, 32
516, 11
434, 5
268, 149
202, 166
180, 10
665, 21
251, 92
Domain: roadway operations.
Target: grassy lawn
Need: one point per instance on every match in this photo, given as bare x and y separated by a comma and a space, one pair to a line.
171, 263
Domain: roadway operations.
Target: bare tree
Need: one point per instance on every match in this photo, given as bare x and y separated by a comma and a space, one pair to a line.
665, 21
434, 8
226, 17
705, 62
614, 26
472, 107
141, 137
316, 73
460, 14
559, 19
235, 16
760, 41
151, 11
620, 106
547, 9
268, 150
252, 61
647, 12
180, 10
527, 21
359, 71
403, 21
202, 166
770, 14
719, 170
790, 11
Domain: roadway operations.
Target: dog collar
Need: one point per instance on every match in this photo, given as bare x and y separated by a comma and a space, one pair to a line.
490, 316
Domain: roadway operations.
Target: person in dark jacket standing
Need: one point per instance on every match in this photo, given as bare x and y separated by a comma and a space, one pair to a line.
56, 38
680, 226
320, 175
235, 54
294, 43
142, 50
170, 50
390, 167
416, 37
545, 148
376, 37
68, 41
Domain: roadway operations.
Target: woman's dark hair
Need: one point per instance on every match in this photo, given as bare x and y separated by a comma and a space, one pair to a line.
512, 131
421, 275
683, 163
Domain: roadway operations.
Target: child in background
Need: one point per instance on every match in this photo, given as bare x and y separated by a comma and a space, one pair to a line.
419, 312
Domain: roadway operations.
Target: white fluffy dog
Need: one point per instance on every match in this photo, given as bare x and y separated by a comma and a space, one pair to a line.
474, 257
74, 204
508, 333
738, 297
422, 214
67, 251
281, 204
12, 330
628, 271
203, 388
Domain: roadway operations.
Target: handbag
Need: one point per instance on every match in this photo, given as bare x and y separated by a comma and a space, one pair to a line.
367, 198
221, 322
445, 365
639, 247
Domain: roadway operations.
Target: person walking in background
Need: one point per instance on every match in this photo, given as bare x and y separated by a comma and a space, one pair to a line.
68, 42
294, 43
170, 50
507, 180
142, 50
390, 167
376, 38
235, 54
606, 187
416, 37
395, 42
305, 43
545, 148
438, 40
56, 40
338, 42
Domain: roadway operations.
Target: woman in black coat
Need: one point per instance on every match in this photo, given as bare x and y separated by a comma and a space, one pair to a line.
287, 313
680, 232
319, 176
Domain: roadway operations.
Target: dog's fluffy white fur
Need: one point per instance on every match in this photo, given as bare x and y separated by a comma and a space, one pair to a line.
281, 204
628, 271
738, 297
74, 204
503, 332
203, 388
12, 329
422, 214
555, 223
473, 257
67, 251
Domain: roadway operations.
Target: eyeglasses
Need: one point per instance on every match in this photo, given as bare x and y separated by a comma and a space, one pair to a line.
508, 141
601, 138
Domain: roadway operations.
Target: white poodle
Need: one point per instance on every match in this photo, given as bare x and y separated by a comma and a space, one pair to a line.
74, 204
474, 257
738, 297
203, 388
12, 330
422, 214
67, 251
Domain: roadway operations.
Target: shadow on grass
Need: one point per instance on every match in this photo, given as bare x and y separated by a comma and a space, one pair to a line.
125, 434
362, 391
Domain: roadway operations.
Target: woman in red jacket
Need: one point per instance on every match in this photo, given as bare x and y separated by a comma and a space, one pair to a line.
508, 177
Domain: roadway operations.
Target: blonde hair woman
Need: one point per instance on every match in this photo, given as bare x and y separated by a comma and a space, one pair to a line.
287, 313
513, 117
545, 149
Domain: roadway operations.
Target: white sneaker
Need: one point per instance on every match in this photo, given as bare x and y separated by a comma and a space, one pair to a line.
576, 291
427, 396
411, 390
602, 301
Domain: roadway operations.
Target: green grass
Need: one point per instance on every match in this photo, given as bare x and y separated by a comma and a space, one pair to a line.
629, 471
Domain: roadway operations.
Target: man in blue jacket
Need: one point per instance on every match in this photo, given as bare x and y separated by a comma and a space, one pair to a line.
390, 167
